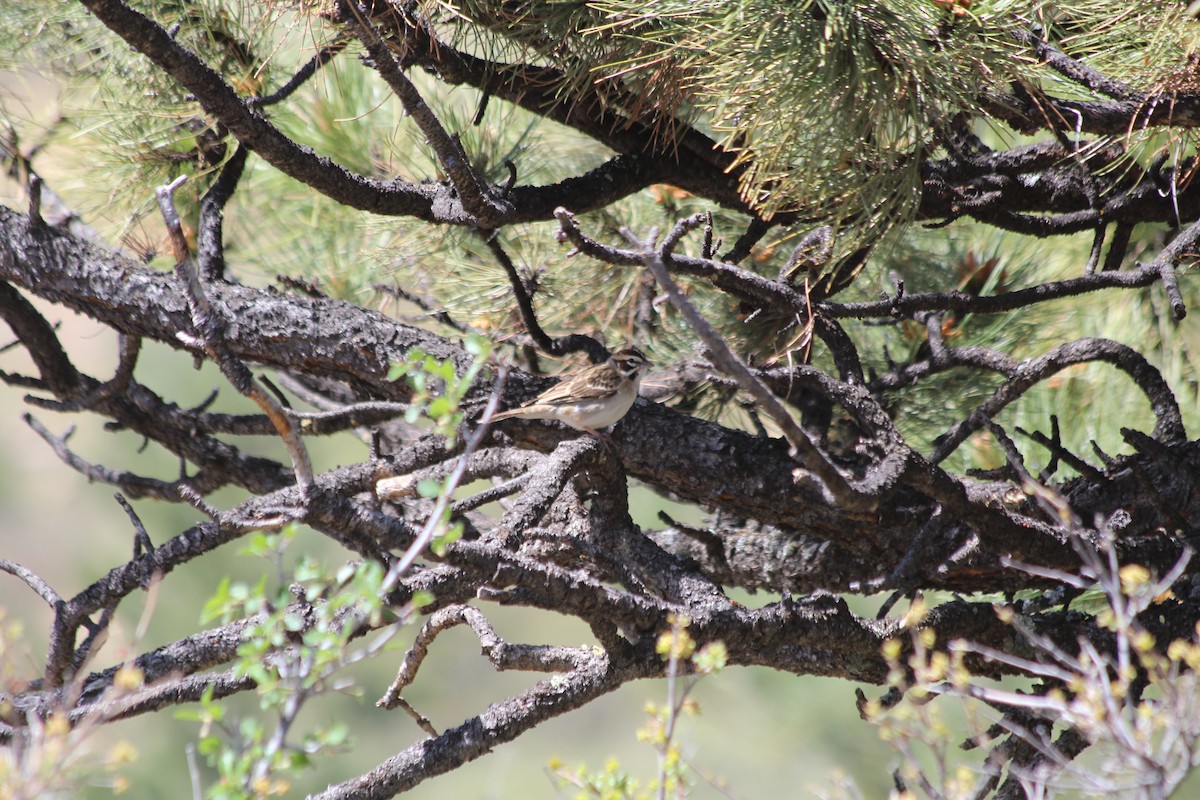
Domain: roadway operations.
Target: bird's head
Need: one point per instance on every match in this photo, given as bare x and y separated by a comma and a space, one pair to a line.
629, 362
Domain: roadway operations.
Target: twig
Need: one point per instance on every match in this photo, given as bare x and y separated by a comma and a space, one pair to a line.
1012, 455
1117, 247
556, 346
503, 655
1168, 427
434, 522
740, 283
1097, 248
755, 231
322, 57
963, 302
1057, 451
130, 348
903, 571
477, 199
210, 240
488, 495
426, 304
35, 201
1171, 286
422, 721
32, 580
132, 484
1074, 70
141, 539
832, 484
210, 328
502, 722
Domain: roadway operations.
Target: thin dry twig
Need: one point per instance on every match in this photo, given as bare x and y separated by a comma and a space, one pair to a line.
209, 325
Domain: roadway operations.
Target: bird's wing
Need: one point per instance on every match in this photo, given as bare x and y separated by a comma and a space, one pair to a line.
559, 394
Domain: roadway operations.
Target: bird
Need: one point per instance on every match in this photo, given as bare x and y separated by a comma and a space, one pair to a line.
592, 398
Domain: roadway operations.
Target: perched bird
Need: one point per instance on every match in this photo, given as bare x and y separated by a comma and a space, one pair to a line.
592, 398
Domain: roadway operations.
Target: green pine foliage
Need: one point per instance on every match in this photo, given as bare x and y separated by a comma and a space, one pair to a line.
829, 104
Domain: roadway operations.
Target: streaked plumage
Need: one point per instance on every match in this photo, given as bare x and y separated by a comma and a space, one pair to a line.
593, 398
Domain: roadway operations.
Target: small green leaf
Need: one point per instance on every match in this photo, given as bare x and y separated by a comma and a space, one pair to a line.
452, 534
429, 487
711, 658
308, 570
218, 604
477, 346
440, 407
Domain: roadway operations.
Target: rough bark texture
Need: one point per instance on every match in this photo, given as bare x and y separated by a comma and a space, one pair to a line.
788, 515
